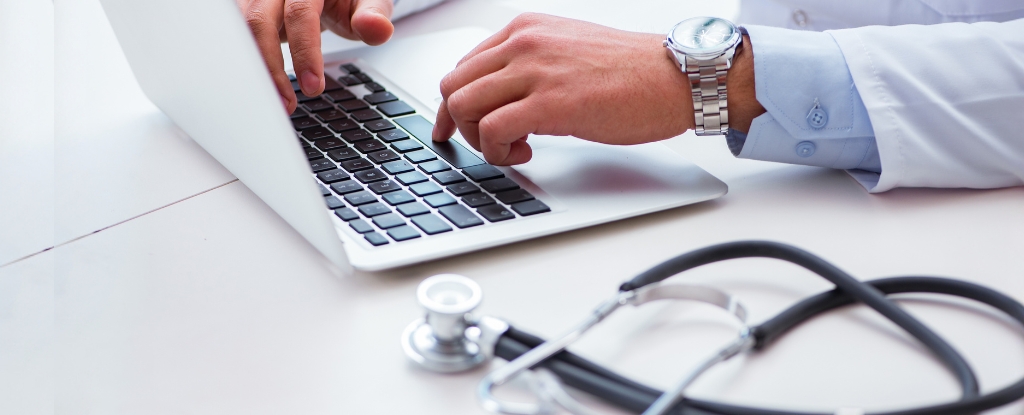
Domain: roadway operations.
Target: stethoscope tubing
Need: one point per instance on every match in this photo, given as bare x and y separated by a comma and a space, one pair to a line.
589, 377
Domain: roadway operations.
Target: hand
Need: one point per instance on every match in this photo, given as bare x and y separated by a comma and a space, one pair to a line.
554, 76
299, 22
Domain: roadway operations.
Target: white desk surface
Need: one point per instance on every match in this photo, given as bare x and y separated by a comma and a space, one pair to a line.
212, 304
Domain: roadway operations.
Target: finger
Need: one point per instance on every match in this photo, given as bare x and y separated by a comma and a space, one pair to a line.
503, 133
264, 19
520, 22
490, 61
371, 21
302, 23
471, 103
444, 127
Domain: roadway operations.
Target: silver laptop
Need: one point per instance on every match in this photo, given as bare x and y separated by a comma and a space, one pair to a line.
354, 170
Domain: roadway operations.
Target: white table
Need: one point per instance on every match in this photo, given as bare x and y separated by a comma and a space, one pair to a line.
194, 297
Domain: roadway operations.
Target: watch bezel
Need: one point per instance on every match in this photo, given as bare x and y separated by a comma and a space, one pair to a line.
703, 54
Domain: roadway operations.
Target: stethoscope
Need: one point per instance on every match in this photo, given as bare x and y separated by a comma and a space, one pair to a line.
451, 339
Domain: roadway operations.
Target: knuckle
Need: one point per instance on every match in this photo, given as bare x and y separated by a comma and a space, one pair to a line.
258, 21
488, 128
296, 11
526, 19
458, 105
447, 86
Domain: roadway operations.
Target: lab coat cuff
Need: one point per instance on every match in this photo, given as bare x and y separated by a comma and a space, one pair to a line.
768, 140
802, 80
404, 8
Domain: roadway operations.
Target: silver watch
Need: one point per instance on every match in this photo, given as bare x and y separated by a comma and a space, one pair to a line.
704, 47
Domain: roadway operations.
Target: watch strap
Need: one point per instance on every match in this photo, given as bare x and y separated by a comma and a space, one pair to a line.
710, 100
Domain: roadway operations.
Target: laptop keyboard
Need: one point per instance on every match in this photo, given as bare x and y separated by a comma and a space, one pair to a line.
380, 172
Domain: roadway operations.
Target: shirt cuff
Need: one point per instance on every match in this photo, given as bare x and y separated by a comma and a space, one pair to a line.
815, 115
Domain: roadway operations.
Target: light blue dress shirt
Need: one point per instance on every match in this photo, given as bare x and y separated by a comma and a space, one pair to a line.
815, 115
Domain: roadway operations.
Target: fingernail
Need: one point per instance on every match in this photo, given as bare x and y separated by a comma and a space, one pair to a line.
310, 83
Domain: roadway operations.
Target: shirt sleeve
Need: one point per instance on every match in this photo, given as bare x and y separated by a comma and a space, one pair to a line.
404, 8
815, 115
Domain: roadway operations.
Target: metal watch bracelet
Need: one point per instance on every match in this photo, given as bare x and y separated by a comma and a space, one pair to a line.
710, 100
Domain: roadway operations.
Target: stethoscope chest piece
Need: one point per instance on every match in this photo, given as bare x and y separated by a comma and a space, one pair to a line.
439, 341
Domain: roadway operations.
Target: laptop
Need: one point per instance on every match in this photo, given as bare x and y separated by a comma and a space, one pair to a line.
354, 170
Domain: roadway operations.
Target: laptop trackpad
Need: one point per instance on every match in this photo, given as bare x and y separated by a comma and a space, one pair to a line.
575, 172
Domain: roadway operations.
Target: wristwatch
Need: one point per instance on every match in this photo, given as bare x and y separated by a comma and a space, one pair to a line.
703, 47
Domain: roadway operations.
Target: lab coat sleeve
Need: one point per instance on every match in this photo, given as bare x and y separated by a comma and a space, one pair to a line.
814, 113
946, 101
404, 8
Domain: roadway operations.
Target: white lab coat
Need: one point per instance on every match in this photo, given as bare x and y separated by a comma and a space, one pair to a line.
946, 101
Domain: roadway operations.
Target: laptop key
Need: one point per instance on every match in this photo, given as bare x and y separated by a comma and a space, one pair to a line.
329, 143
397, 167
345, 214
448, 177
304, 122
298, 113
342, 125
476, 200
366, 115
303, 97
350, 80
385, 156
323, 190
331, 85
339, 95
388, 220
361, 197
462, 189
460, 216
347, 186
482, 172
392, 135
312, 153
367, 146
383, 186
398, 197
438, 200
403, 233
363, 77
378, 125
430, 224
374, 209
316, 133
351, 68
333, 202
353, 136
370, 176
317, 105
321, 165
424, 189
343, 154
411, 178
395, 108
356, 165
495, 213
331, 176
420, 156
360, 226
412, 209
530, 207
435, 166
380, 97
405, 146
330, 114
352, 105
513, 196
375, 238
498, 185
374, 87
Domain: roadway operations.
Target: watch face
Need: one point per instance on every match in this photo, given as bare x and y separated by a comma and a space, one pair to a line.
701, 35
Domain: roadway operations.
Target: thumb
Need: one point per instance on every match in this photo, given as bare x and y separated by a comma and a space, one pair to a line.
371, 20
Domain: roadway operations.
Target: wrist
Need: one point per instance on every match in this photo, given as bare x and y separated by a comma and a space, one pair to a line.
743, 105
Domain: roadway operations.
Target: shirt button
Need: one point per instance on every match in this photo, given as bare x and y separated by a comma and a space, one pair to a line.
805, 149
800, 18
817, 118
